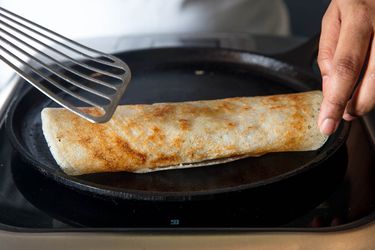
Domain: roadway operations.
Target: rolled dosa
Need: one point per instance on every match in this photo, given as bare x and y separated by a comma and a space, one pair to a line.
143, 138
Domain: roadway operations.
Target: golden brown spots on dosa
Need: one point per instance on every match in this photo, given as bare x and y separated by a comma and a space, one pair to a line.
231, 148
157, 136
104, 145
59, 137
94, 111
125, 148
113, 157
162, 111
164, 160
231, 124
184, 124
177, 142
145, 137
201, 111
277, 107
226, 106
294, 138
272, 98
246, 108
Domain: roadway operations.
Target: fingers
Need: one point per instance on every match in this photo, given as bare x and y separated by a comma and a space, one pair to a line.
347, 63
329, 37
363, 100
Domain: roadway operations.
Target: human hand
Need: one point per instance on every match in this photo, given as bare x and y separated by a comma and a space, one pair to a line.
346, 44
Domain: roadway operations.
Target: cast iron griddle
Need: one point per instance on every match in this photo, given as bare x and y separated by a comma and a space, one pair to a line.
185, 74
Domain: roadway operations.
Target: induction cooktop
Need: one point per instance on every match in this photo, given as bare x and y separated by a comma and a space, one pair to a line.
29, 203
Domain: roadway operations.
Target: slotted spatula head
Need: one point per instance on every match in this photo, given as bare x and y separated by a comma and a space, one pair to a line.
72, 74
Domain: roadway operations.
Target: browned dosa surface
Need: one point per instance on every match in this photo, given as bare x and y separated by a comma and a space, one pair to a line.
141, 138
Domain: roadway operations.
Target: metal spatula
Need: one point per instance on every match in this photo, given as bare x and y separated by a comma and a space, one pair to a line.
86, 77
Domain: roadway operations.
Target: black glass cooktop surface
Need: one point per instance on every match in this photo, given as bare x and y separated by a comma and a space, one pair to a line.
31, 202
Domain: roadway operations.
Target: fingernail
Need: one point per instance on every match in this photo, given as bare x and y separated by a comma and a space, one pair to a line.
328, 126
348, 117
